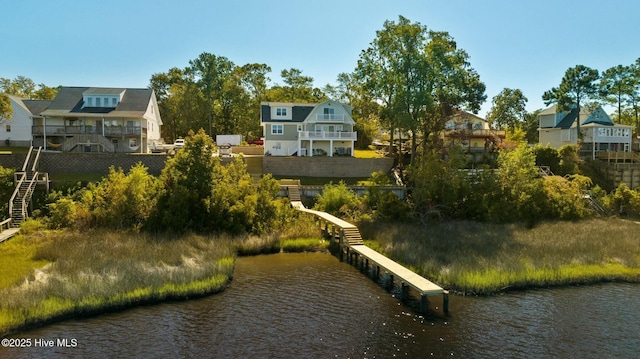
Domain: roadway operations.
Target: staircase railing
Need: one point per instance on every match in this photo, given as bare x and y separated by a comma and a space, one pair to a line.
70, 143
15, 194
26, 181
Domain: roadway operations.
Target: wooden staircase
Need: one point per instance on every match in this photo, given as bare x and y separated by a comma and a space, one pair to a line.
294, 193
87, 139
352, 236
26, 181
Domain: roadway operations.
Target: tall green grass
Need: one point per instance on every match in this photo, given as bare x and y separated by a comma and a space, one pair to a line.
100, 271
481, 258
300, 235
16, 258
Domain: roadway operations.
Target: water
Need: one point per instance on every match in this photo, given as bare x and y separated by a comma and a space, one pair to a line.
313, 306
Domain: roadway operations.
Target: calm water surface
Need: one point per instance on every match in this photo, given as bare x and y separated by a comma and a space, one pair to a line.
313, 306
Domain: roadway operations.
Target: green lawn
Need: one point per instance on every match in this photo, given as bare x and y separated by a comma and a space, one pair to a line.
367, 154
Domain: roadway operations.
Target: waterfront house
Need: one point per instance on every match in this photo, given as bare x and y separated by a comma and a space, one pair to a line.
600, 135
16, 131
306, 129
471, 132
98, 119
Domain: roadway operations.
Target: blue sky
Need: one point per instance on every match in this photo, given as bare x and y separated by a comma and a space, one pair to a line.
120, 43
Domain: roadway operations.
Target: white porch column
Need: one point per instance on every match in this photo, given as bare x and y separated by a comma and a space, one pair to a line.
44, 131
593, 144
311, 147
330, 148
299, 145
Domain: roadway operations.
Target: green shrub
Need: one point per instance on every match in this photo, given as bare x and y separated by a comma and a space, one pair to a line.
569, 160
547, 156
624, 201
338, 200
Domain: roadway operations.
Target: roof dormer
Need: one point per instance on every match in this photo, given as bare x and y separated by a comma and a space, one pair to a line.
102, 97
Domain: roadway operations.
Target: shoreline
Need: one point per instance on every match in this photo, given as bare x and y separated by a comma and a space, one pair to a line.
167, 291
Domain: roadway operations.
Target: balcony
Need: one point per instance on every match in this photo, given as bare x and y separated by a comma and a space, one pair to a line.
477, 132
330, 118
81, 130
323, 135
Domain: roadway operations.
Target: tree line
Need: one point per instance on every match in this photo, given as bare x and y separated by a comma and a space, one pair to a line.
407, 82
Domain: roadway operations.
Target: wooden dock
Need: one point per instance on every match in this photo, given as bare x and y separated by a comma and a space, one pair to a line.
351, 243
6, 231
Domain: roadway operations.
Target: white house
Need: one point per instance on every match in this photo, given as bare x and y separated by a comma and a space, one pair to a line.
16, 131
599, 132
303, 129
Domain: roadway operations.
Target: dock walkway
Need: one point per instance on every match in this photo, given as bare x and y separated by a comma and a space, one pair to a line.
8, 233
350, 241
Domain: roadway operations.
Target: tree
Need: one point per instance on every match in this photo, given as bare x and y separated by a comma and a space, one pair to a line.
186, 187
6, 190
6, 111
577, 86
211, 93
418, 77
390, 70
293, 77
21, 86
210, 73
616, 84
45, 92
508, 109
522, 196
634, 98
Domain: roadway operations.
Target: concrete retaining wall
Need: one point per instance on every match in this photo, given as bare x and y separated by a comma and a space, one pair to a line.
98, 163
90, 163
325, 166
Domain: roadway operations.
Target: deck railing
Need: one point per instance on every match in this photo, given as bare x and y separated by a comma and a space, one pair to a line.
329, 118
60, 130
313, 135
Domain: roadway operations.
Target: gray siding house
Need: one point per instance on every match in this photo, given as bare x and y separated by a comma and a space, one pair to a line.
305, 129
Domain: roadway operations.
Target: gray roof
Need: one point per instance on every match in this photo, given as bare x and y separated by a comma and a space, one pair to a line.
36, 106
69, 100
299, 112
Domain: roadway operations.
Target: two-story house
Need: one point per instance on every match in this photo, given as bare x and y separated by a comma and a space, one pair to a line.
304, 129
472, 132
98, 119
599, 132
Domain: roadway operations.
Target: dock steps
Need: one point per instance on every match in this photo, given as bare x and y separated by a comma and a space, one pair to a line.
294, 193
353, 236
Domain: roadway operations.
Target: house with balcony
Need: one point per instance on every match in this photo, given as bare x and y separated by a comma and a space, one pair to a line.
98, 119
305, 129
600, 135
471, 132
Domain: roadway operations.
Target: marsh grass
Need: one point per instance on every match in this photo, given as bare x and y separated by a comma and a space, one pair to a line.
101, 271
301, 235
481, 258
16, 256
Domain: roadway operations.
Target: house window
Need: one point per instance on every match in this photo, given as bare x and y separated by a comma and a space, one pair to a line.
281, 112
8, 128
89, 101
98, 103
277, 129
114, 102
329, 113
